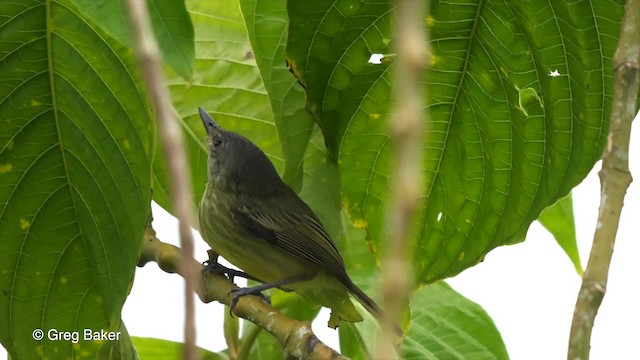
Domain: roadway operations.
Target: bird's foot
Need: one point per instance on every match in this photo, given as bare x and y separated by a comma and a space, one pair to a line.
237, 293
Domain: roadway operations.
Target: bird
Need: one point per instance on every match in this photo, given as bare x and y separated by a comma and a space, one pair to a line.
253, 219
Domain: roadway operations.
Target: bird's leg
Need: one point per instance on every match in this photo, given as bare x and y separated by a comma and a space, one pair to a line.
258, 289
219, 269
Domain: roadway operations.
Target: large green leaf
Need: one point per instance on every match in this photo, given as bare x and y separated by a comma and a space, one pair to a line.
446, 325
267, 27
150, 348
171, 26
507, 137
227, 83
75, 158
122, 349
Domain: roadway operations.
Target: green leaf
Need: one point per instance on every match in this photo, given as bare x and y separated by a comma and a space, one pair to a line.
231, 327
267, 29
506, 139
353, 343
151, 348
174, 33
558, 219
227, 84
446, 325
122, 349
171, 26
294, 305
264, 345
76, 144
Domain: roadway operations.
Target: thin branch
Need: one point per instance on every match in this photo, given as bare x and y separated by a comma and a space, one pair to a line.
407, 133
149, 61
615, 178
296, 337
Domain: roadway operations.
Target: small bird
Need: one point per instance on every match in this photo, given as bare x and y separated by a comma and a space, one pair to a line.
249, 216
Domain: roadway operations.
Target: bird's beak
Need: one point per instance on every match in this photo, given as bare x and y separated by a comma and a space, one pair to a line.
209, 124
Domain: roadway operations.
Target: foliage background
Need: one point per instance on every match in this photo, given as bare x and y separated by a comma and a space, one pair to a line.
511, 104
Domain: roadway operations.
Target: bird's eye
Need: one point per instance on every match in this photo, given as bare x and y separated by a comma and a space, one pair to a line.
217, 142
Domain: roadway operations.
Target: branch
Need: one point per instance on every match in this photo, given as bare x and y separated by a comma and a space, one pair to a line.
406, 134
296, 337
615, 178
149, 61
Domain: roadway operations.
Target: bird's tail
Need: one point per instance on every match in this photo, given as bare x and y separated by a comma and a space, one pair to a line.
369, 304
365, 300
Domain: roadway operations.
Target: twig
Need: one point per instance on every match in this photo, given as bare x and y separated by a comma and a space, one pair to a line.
296, 337
406, 134
615, 178
149, 61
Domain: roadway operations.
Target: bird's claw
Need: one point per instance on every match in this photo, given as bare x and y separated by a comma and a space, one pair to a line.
237, 293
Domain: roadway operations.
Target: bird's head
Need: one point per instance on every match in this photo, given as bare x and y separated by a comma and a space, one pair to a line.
236, 164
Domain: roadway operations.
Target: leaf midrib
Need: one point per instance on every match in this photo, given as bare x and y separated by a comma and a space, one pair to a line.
463, 75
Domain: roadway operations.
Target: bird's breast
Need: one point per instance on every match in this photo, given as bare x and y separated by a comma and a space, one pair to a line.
257, 257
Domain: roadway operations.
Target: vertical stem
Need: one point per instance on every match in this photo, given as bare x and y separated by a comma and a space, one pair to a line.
614, 181
407, 133
149, 61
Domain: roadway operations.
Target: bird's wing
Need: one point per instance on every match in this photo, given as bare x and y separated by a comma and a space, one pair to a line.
299, 233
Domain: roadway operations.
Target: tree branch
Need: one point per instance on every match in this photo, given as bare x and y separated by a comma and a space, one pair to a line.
296, 337
149, 61
615, 178
406, 134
